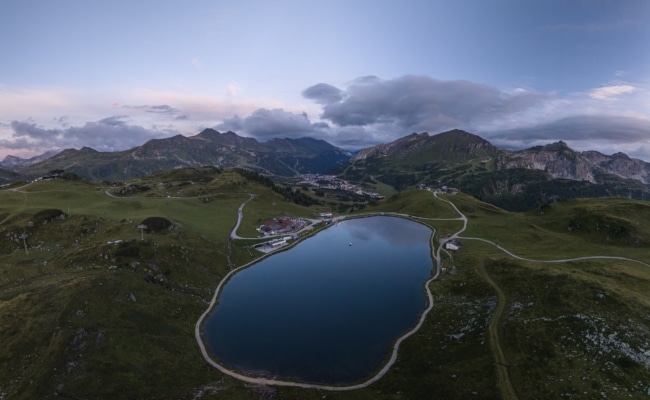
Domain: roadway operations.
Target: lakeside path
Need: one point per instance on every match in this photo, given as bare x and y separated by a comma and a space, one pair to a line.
509, 393
275, 382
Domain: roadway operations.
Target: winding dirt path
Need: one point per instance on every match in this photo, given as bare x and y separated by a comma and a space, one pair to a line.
503, 377
559, 260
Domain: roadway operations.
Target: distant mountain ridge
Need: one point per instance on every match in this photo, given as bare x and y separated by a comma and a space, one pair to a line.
514, 180
17, 162
284, 157
562, 162
556, 159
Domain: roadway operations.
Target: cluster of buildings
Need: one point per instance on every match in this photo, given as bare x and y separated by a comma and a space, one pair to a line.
272, 245
281, 225
332, 182
448, 190
48, 177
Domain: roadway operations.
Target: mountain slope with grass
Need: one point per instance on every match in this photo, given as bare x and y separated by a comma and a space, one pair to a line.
92, 306
283, 157
514, 180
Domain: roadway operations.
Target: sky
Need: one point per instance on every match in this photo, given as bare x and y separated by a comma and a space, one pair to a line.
113, 74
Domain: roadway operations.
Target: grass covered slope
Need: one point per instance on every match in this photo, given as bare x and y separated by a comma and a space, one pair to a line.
91, 310
577, 329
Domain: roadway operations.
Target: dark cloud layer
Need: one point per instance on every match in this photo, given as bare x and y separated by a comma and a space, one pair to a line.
108, 134
621, 130
157, 109
417, 103
363, 113
323, 93
371, 110
266, 124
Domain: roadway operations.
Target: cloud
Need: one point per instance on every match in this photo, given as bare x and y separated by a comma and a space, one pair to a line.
607, 134
584, 127
64, 121
203, 110
163, 109
266, 124
356, 137
323, 93
417, 103
117, 120
610, 92
370, 110
234, 123
108, 134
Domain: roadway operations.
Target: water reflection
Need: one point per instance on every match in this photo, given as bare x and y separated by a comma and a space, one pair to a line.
406, 235
324, 311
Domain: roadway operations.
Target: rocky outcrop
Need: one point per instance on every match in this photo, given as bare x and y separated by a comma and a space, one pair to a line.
561, 162
17, 162
557, 160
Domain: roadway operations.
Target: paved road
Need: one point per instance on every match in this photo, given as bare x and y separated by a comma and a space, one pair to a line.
240, 216
393, 357
376, 377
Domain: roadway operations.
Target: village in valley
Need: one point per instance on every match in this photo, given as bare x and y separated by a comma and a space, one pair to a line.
332, 182
282, 230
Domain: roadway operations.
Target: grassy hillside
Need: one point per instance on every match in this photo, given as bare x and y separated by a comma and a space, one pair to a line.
91, 307
78, 314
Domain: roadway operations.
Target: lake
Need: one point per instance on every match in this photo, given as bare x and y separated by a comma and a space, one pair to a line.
327, 310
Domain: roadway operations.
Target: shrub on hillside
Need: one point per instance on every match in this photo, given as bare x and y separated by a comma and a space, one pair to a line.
45, 216
156, 224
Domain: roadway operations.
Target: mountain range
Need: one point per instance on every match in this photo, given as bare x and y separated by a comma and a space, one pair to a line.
17, 162
556, 159
457, 158
513, 180
282, 157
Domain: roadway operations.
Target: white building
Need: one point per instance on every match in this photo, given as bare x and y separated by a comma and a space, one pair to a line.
454, 245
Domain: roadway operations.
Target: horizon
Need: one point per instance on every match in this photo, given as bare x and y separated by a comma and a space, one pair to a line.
57, 151
112, 76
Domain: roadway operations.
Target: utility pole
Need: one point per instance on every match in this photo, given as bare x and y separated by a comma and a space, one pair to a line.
23, 237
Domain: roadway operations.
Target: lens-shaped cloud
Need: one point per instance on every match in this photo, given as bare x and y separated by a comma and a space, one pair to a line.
418, 103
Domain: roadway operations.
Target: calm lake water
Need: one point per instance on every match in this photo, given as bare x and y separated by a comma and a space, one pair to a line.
325, 311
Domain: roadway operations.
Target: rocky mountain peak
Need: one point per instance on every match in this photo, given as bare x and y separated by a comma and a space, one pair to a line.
560, 161
17, 162
621, 155
558, 145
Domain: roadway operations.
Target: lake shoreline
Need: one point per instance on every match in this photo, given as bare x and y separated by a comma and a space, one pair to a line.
383, 367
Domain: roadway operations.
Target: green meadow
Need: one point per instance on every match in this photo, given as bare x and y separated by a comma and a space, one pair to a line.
92, 307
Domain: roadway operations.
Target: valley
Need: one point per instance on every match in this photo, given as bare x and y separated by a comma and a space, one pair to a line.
334, 200
91, 306
513, 180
